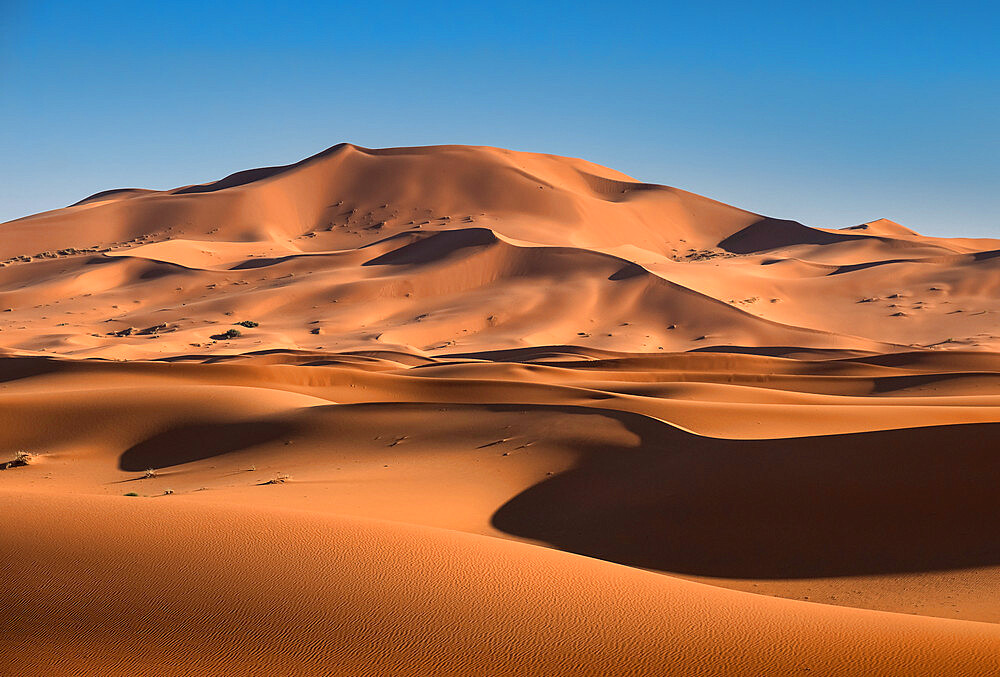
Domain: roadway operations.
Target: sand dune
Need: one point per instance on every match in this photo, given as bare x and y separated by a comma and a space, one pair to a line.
459, 410
458, 245
281, 592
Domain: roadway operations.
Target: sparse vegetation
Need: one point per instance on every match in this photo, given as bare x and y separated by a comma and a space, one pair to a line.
155, 329
131, 493
21, 458
149, 474
277, 479
249, 324
226, 335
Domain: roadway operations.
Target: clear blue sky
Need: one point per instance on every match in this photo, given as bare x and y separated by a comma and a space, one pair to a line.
828, 113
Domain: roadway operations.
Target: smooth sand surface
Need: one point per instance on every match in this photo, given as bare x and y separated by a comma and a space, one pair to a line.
495, 413
127, 587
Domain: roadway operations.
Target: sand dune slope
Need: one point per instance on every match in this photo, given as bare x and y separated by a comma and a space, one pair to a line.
475, 248
179, 589
858, 481
464, 410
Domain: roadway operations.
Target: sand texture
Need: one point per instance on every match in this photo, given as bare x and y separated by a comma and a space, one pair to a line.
468, 411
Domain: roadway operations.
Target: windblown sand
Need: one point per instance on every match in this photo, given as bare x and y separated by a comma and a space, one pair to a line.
492, 413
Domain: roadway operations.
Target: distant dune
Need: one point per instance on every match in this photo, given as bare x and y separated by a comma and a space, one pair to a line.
464, 410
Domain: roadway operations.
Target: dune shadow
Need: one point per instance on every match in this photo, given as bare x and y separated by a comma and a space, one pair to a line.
775, 351
196, 442
865, 266
251, 264
107, 194
16, 368
628, 272
769, 233
895, 501
233, 180
435, 247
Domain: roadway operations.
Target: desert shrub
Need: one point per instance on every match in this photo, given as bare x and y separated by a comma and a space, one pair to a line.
149, 474
279, 478
21, 458
249, 324
226, 335
131, 493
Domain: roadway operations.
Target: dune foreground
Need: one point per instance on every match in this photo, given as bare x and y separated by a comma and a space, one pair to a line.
468, 411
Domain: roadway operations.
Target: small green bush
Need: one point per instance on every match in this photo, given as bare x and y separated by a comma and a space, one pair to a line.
226, 335
249, 324
131, 493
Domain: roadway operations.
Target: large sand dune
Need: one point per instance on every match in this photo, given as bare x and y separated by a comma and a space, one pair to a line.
492, 412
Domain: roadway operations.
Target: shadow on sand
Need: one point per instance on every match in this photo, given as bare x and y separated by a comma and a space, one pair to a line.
896, 501
189, 443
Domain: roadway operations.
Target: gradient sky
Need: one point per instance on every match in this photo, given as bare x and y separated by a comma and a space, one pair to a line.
828, 113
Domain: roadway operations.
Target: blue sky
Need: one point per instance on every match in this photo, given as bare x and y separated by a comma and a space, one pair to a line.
828, 113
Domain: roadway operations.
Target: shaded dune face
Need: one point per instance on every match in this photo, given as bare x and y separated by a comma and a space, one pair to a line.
194, 442
840, 505
768, 234
464, 410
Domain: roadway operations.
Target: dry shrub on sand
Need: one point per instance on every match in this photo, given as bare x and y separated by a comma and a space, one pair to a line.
21, 458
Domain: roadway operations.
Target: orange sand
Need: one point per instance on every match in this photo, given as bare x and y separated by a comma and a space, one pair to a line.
501, 413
